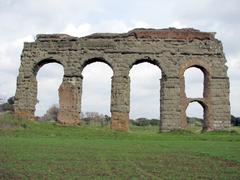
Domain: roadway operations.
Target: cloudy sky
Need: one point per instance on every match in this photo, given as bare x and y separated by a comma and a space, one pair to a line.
22, 20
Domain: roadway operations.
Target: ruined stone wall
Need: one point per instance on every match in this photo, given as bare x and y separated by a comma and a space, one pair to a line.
172, 50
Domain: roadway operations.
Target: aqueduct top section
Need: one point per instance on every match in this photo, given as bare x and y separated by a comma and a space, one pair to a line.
172, 50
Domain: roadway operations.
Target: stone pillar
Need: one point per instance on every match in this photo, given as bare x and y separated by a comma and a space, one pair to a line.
70, 93
221, 104
183, 102
25, 97
207, 115
120, 102
170, 104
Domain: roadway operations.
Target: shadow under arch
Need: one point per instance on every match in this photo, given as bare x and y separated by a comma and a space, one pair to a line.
147, 60
206, 124
96, 59
45, 61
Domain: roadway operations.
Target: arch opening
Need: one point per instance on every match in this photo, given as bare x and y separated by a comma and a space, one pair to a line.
194, 114
205, 79
194, 82
145, 93
49, 76
96, 92
197, 116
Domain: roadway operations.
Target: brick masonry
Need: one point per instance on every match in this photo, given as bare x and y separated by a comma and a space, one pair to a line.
172, 50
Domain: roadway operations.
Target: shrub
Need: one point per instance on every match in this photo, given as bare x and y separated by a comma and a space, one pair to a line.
8, 106
96, 118
145, 122
51, 114
235, 121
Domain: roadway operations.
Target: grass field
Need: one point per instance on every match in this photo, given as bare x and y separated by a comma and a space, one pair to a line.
37, 150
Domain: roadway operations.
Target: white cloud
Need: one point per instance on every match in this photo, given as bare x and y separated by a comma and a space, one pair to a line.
19, 42
78, 31
234, 61
109, 26
10, 53
234, 74
141, 24
9, 64
114, 26
177, 24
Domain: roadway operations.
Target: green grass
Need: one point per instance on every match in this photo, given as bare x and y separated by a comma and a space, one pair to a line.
37, 150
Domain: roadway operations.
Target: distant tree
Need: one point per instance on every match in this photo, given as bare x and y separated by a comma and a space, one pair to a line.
7, 106
155, 122
96, 118
11, 100
51, 113
235, 121
194, 121
106, 120
82, 115
145, 122
1, 100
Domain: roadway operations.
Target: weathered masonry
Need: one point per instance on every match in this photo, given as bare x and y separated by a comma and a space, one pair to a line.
172, 50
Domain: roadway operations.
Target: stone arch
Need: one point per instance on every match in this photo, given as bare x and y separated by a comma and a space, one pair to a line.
195, 63
204, 67
162, 75
194, 82
91, 61
27, 84
205, 102
207, 120
37, 66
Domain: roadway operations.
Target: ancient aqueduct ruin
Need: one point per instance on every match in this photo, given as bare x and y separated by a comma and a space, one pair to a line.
172, 50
